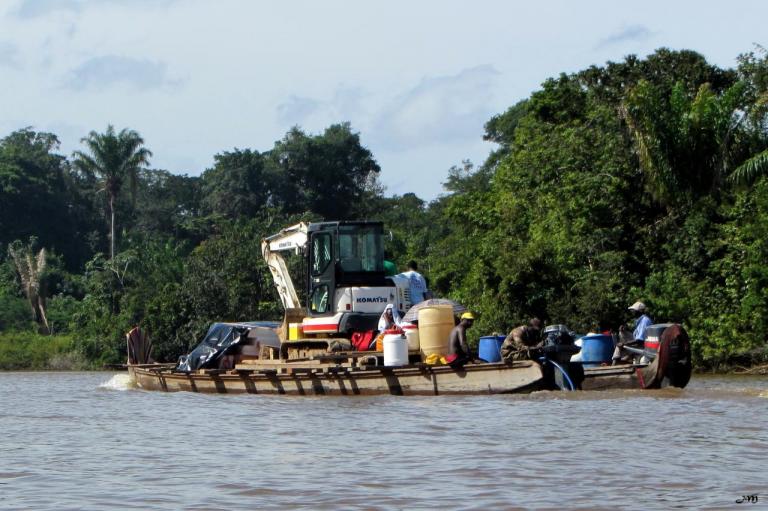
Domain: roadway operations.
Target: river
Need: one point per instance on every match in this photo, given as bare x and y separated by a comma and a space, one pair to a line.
90, 441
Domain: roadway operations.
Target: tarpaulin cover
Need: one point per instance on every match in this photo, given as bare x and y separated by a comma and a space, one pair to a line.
219, 339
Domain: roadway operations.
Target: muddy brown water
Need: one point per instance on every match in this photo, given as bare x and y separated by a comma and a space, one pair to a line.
89, 441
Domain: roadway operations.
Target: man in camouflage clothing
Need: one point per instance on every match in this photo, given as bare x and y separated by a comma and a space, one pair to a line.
518, 343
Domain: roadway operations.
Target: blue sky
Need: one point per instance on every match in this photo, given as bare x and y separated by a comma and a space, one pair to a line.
417, 79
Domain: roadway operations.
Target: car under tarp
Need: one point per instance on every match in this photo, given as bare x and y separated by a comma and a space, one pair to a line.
219, 340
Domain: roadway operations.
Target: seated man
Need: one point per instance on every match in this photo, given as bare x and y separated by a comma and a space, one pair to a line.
459, 353
390, 318
518, 344
637, 337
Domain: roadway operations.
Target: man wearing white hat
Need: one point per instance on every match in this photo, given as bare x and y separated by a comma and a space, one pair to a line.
637, 339
642, 322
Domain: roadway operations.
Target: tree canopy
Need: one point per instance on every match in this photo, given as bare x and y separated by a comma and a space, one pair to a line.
640, 179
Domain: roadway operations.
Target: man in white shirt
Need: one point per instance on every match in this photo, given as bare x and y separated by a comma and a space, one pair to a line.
419, 291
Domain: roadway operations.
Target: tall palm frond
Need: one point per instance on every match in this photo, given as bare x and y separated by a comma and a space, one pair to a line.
684, 141
641, 111
751, 169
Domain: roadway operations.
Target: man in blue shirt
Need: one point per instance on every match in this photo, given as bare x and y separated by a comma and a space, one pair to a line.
642, 322
637, 338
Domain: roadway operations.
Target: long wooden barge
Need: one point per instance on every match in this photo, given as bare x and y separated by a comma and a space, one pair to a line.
419, 379
308, 368
325, 379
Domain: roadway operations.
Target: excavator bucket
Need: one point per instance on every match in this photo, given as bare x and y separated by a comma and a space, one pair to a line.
291, 316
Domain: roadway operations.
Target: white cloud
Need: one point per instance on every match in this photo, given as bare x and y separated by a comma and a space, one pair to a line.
439, 110
436, 110
9, 55
106, 71
27, 9
35, 8
296, 110
344, 104
627, 33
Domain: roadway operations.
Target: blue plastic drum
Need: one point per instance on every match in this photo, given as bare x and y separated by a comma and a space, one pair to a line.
489, 348
596, 349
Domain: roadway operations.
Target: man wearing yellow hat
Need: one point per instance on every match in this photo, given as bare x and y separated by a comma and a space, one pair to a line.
459, 353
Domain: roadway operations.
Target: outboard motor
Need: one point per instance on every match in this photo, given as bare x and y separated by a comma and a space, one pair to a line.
673, 363
669, 348
558, 347
652, 339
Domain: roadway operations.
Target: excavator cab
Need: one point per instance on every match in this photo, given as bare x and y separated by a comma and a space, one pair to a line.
343, 256
347, 289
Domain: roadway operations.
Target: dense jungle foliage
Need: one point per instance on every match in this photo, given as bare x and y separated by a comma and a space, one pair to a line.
642, 179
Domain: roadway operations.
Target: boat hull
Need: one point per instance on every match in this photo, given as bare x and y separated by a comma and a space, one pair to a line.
612, 377
498, 378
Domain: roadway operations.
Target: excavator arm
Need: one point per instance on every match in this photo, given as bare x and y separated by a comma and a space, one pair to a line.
291, 238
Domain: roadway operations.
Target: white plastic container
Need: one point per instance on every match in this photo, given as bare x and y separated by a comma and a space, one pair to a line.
412, 334
395, 350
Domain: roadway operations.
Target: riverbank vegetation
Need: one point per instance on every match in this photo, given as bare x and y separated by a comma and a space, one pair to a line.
641, 179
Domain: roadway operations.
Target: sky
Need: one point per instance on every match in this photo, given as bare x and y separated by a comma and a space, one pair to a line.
416, 79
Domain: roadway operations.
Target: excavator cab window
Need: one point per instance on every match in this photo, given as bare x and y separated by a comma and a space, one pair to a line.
319, 300
360, 249
321, 253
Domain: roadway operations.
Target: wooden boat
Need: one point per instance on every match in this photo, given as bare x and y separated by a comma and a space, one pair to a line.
671, 365
315, 371
262, 364
297, 378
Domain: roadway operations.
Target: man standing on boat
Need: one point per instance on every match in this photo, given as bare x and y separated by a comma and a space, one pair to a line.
518, 344
459, 353
418, 283
637, 338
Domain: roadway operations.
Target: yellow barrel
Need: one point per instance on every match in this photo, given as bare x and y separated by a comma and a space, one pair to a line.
435, 325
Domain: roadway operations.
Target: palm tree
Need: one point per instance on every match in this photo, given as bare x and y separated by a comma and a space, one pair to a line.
684, 142
115, 157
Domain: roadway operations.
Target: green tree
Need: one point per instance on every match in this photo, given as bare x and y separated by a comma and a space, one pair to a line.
237, 186
41, 197
753, 72
167, 205
115, 158
332, 175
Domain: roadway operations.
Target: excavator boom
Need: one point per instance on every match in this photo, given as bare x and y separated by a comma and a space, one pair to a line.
291, 238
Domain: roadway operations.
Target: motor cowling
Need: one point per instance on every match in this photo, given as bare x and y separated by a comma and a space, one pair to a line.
559, 346
653, 338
